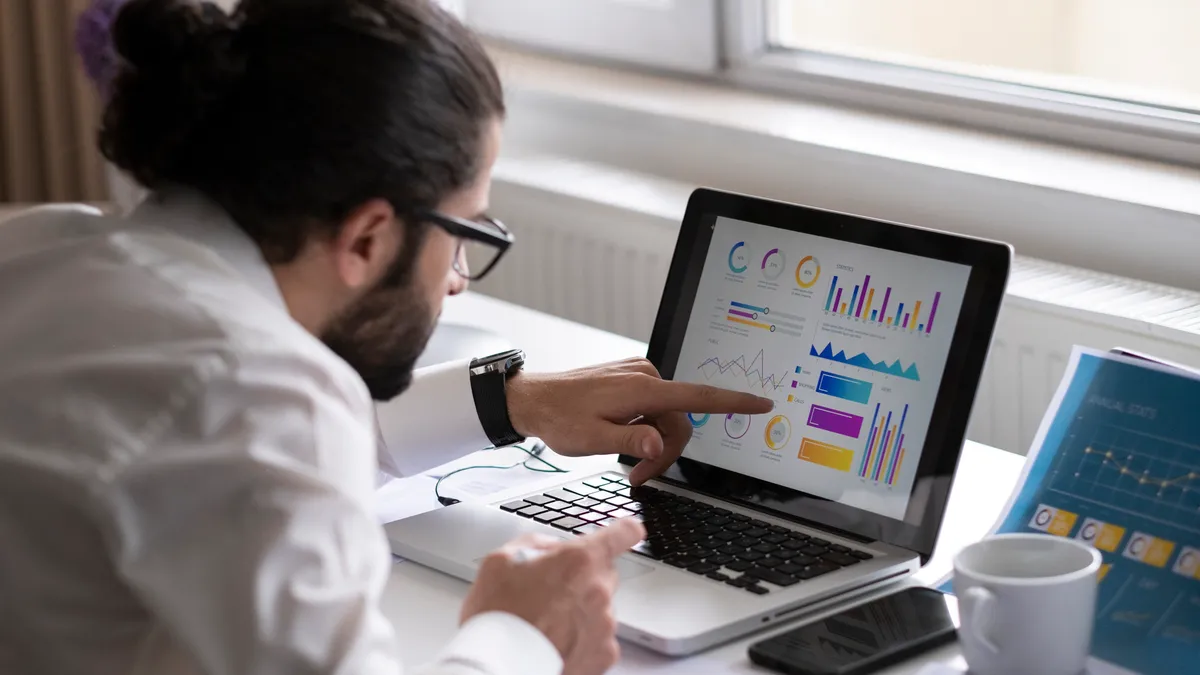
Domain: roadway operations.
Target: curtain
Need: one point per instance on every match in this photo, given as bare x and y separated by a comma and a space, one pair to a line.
49, 110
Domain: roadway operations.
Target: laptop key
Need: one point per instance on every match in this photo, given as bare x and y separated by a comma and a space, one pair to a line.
815, 571
575, 511
530, 511
719, 559
513, 507
620, 513
756, 589
548, 516
596, 482
709, 530
618, 500
557, 505
730, 549
564, 496
746, 542
789, 568
840, 559
760, 523
772, 576
804, 560
717, 576
839, 548
779, 529
741, 582
538, 499
719, 521
681, 560
737, 527
607, 508
769, 562
861, 555
636, 507
587, 502
593, 517
703, 568
750, 556
764, 548
784, 554
813, 550
587, 528
739, 565
756, 532
568, 523
775, 538
740, 517
726, 536
818, 541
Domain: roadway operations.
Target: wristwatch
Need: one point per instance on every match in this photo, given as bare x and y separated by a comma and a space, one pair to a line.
488, 375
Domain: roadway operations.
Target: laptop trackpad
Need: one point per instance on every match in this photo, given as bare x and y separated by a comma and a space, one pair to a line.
467, 532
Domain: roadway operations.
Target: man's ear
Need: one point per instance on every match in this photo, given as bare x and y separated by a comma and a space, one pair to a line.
366, 243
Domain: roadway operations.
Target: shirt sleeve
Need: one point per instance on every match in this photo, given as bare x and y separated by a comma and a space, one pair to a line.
432, 423
246, 532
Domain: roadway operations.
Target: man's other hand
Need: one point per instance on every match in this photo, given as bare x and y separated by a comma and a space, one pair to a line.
565, 591
623, 407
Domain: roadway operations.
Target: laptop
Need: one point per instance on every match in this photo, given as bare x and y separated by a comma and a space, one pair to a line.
870, 336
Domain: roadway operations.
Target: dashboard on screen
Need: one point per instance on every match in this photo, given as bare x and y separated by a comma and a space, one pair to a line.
850, 341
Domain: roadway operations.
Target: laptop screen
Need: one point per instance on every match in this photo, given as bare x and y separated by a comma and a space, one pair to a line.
849, 340
869, 336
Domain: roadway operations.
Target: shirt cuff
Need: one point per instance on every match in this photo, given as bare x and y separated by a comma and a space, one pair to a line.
498, 643
432, 423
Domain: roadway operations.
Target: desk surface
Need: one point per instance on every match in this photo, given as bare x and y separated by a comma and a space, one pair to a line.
423, 604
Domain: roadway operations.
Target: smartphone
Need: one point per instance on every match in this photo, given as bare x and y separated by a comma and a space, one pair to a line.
865, 638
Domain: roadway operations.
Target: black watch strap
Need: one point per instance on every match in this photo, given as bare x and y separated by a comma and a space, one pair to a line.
491, 404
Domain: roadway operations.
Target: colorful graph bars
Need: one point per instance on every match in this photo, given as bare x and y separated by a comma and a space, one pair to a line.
835, 421
861, 360
884, 452
747, 315
826, 454
846, 388
862, 298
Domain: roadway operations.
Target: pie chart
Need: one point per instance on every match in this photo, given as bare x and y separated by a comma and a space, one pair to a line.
736, 426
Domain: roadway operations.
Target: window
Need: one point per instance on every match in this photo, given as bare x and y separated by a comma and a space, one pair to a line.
1137, 51
1112, 74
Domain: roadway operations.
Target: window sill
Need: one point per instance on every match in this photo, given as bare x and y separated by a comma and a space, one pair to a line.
1053, 202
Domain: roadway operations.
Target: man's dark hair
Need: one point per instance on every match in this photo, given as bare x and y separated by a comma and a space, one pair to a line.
291, 113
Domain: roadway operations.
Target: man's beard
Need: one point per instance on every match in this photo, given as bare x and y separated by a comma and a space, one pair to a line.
384, 333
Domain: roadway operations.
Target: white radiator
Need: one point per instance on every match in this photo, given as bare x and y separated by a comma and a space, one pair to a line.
594, 244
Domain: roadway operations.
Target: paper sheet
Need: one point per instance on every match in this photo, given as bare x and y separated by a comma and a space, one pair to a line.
1116, 464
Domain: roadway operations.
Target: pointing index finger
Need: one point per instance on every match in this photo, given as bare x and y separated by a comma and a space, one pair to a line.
670, 396
615, 539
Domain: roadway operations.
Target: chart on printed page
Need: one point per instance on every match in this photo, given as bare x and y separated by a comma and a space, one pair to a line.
1119, 469
849, 340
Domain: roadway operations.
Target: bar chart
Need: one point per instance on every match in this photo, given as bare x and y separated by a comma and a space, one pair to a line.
762, 318
843, 387
884, 451
826, 455
859, 302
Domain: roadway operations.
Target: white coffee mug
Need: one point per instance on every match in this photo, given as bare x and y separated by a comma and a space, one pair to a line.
1027, 603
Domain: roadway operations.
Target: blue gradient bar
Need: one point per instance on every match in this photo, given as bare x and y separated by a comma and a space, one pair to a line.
899, 315
882, 447
862, 469
874, 312
760, 310
853, 302
832, 288
847, 388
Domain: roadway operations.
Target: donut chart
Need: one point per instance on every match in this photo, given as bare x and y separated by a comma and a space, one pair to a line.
739, 258
778, 433
808, 271
736, 426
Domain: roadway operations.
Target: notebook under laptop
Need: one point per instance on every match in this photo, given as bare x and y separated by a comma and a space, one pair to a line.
871, 338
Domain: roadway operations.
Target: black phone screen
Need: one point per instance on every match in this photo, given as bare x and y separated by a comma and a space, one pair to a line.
865, 638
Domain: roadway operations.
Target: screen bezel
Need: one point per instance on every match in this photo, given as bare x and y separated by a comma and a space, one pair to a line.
989, 262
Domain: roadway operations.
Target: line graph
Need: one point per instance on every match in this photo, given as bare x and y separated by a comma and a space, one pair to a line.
1136, 473
754, 374
1143, 477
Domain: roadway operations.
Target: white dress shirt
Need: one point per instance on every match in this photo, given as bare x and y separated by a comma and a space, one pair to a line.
186, 474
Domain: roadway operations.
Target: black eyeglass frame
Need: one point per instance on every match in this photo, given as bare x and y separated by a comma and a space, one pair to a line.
491, 232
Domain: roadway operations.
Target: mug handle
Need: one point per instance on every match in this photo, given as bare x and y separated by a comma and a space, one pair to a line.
983, 602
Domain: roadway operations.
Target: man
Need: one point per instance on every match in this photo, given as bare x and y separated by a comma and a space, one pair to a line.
187, 442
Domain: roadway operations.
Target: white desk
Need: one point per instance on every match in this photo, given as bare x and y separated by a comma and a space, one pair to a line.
423, 604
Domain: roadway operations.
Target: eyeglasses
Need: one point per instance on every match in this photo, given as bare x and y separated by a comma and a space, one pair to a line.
481, 243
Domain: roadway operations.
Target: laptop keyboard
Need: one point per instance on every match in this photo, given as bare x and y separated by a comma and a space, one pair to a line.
725, 546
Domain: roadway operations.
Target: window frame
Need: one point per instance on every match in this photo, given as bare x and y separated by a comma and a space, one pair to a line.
1130, 128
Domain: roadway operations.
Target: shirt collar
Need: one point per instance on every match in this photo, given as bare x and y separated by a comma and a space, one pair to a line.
192, 216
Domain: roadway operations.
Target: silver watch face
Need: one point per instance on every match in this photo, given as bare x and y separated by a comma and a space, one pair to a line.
503, 362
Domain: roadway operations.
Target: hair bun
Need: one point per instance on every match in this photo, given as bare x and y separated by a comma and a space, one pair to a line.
178, 64
160, 33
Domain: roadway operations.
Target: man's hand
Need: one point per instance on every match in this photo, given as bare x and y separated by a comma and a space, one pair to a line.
566, 592
623, 407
